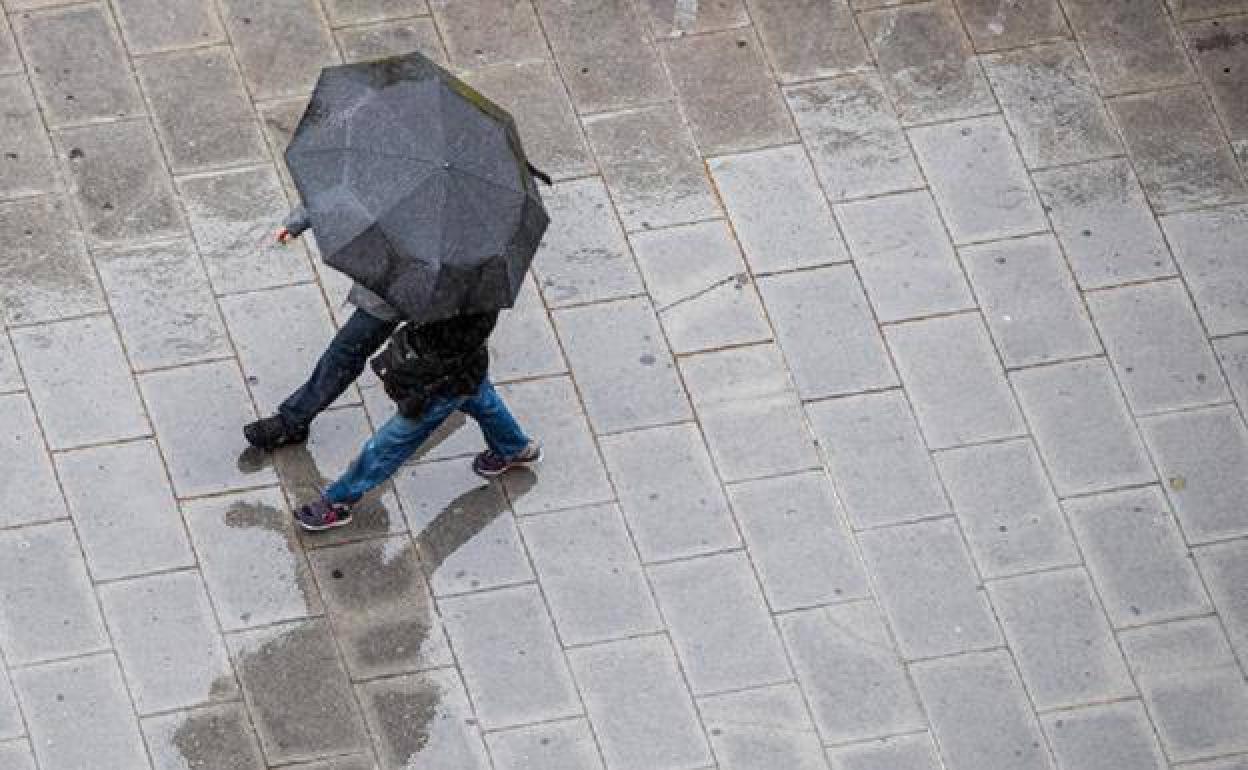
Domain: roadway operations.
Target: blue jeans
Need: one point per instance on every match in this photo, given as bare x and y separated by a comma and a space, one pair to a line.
341, 363
400, 437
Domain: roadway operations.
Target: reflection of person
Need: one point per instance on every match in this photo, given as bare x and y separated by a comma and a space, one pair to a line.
343, 361
430, 370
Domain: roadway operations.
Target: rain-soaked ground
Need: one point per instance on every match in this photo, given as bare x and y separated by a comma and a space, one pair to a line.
890, 359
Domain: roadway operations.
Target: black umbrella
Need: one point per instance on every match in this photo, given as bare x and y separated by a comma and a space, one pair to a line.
417, 187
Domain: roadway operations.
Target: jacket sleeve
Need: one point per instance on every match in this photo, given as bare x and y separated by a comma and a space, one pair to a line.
297, 221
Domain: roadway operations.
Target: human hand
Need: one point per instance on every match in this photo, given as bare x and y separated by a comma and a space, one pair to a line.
284, 236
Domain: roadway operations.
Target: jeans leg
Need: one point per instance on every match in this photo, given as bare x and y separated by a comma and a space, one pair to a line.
382, 454
341, 363
502, 433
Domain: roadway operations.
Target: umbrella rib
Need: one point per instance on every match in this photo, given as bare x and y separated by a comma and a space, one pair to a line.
366, 151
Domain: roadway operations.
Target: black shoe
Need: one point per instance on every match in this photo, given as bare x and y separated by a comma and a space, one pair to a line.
273, 432
322, 515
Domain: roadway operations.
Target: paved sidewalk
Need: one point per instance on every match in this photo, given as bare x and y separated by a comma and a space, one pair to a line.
891, 360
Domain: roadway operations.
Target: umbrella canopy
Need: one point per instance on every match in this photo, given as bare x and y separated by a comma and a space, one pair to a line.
417, 187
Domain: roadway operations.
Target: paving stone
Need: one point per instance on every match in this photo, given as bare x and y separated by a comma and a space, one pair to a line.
1030, 301
584, 256
211, 738
877, 459
292, 68
355, 762
123, 510
54, 358
510, 657
78, 64
927, 62
167, 640
1051, 103
342, 12
590, 575
10, 377
1233, 763
853, 137
993, 25
1179, 149
16, 755
1203, 458
555, 746
79, 715
234, 216
1103, 221
293, 681
535, 96
850, 671
979, 713
118, 179
278, 120
719, 623
1130, 46
905, 752
1082, 427
572, 473
478, 32
1006, 507
391, 38
524, 345
1199, 9
1233, 353
662, 470
1157, 346
423, 720
729, 97
641, 712
1223, 566
45, 272
23, 456
810, 39
202, 446
700, 287
1220, 51
1061, 639
955, 382
600, 49
928, 588
1195, 695
379, 605
649, 161
798, 542
777, 209
749, 412
26, 167
903, 255
10, 59
1115, 736
762, 729
978, 180
11, 724
635, 384
201, 109
1207, 244
160, 25
824, 325
669, 18
250, 559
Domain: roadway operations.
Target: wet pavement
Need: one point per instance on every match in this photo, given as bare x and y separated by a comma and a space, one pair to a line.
890, 357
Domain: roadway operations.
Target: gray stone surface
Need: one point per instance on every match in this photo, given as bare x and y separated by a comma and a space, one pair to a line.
638, 704
26, 166
271, 71
980, 714
1200, 9
1204, 243
1130, 46
777, 209
668, 18
391, 38
1223, 568
978, 180
994, 25
167, 641
119, 496
1233, 354
853, 137
10, 718
905, 752
23, 456
700, 287
877, 459
762, 728
1219, 51
10, 376
1115, 736
928, 588
53, 358
904, 257
1082, 426
423, 719
45, 268
555, 746
17, 755
809, 39
479, 33
662, 470
850, 671
524, 345
10, 59
1202, 457
1030, 301
590, 574
340, 12
1006, 508
160, 25
218, 737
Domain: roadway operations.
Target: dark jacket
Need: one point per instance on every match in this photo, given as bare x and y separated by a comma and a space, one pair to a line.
440, 358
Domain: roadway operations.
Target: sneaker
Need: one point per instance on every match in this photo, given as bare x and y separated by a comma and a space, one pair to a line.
490, 463
322, 515
273, 432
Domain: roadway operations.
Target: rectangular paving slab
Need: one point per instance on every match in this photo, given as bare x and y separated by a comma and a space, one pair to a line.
1130, 46
159, 25
24, 456
391, 38
45, 271
993, 25
809, 39
1204, 243
905, 752
1115, 736
1220, 51
1223, 567
762, 728
566, 745
424, 719
27, 167
213, 736
291, 68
